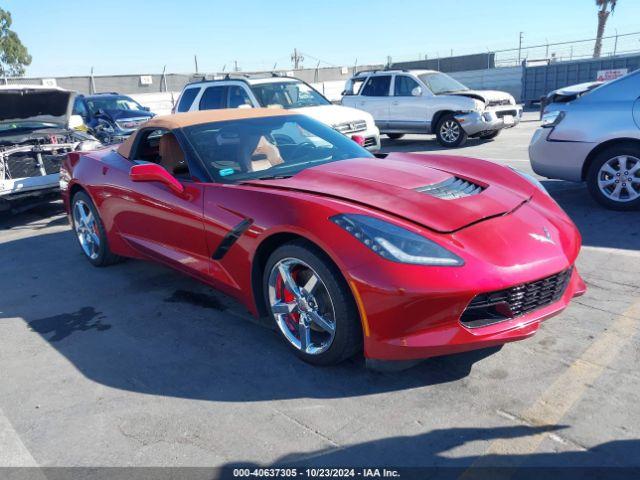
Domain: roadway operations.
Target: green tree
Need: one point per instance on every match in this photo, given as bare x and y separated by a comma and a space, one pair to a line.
605, 8
13, 54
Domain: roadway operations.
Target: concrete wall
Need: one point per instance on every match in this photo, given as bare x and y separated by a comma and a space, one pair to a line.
329, 81
508, 79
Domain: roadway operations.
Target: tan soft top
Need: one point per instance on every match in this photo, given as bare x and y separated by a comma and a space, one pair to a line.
180, 120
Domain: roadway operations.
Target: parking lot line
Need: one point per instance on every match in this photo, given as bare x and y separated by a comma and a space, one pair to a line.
562, 395
13, 453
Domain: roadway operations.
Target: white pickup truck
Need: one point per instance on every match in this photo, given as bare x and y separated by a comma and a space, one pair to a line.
426, 101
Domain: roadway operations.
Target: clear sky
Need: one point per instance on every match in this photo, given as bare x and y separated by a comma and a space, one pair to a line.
117, 36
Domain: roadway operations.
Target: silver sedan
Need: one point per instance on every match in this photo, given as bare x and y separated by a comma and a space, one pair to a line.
595, 139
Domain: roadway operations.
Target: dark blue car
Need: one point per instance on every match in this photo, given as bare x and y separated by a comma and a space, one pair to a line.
110, 117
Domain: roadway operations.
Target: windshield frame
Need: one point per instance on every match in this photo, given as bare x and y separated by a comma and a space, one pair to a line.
284, 82
277, 171
424, 78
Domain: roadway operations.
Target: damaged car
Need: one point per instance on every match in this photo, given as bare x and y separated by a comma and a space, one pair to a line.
430, 102
36, 133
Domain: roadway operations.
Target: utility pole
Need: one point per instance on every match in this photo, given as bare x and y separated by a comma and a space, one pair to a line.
520, 48
296, 59
615, 46
195, 60
235, 66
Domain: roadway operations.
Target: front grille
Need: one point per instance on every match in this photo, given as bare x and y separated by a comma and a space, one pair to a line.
130, 123
498, 103
370, 142
493, 307
53, 162
351, 127
502, 113
451, 189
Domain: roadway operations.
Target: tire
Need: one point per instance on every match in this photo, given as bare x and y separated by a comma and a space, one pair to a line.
607, 177
330, 297
449, 132
395, 136
90, 231
490, 136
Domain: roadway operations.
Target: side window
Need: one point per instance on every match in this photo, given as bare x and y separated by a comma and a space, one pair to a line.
354, 86
404, 85
238, 96
187, 99
377, 86
79, 108
161, 146
212, 98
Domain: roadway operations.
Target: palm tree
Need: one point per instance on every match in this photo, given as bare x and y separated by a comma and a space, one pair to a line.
605, 8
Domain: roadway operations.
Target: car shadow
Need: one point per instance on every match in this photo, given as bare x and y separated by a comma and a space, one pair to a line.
615, 459
141, 327
37, 217
424, 143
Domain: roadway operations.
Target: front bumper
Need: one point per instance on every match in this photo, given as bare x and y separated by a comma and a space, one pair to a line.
555, 159
475, 123
411, 312
371, 138
21, 193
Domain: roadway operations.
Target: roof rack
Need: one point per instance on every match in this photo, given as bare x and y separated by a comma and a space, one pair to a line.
376, 70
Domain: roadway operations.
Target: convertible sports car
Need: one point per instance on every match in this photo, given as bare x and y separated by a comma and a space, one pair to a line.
408, 256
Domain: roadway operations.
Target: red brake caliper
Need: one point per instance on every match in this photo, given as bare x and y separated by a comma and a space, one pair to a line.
287, 296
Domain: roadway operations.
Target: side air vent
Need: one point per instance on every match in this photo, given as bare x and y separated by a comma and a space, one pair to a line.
451, 188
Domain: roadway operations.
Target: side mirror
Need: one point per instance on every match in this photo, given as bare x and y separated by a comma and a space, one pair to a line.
150, 172
76, 122
416, 92
146, 109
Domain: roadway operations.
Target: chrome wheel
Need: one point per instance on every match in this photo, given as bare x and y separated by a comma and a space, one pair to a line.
450, 131
619, 178
86, 229
302, 306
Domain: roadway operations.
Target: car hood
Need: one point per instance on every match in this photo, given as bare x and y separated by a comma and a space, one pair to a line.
335, 114
396, 185
36, 104
486, 96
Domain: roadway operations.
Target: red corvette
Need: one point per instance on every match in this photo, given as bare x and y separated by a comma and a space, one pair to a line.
406, 256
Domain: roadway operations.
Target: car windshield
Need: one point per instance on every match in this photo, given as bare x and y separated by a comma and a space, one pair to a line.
112, 103
440, 83
268, 147
288, 95
24, 125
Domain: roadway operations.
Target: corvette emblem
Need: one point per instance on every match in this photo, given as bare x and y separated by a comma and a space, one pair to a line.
544, 239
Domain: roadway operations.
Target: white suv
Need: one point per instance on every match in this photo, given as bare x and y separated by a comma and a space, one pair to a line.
426, 101
244, 91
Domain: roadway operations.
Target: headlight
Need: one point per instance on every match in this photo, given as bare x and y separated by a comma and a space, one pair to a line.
531, 179
552, 119
396, 243
105, 127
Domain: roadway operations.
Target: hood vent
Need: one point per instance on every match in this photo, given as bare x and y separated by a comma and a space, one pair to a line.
451, 189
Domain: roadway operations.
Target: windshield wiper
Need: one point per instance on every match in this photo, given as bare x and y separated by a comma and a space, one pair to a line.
272, 177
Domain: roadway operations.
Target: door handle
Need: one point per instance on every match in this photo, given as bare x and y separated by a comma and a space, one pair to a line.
394, 103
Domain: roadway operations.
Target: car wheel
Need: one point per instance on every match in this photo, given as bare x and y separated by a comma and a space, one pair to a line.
450, 133
490, 135
395, 136
311, 304
614, 177
90, 231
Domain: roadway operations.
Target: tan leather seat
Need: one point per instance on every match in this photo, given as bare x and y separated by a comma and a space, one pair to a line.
171, 155
257, 154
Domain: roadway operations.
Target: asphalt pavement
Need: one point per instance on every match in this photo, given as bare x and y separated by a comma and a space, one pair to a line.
136, 365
